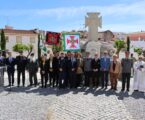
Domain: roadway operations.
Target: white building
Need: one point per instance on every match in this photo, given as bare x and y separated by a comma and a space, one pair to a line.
14, 36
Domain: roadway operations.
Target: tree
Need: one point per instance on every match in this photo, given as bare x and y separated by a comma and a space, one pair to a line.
3, 40
139, 51
128, 43
39, 49
119, 44
22, 47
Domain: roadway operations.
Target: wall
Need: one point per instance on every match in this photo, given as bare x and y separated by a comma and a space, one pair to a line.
25, 40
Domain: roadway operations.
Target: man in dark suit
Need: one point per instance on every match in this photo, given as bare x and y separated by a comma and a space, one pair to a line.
96, 70
21, 62
10, 62
127, 65
87, 69
67, 59
62, 70
55, 69
32, 68
71, 69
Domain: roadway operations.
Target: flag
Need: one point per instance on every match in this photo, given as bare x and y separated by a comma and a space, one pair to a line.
71, 42
44, 49
52, 38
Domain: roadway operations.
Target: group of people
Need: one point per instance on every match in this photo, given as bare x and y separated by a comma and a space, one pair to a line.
71, 70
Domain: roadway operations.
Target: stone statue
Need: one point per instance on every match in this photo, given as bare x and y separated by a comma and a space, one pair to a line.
93, 21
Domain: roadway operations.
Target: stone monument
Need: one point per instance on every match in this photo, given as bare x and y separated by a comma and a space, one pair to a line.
93, 21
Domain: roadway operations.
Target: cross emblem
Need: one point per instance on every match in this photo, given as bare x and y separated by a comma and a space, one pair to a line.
52, 38
93, 21
72, 41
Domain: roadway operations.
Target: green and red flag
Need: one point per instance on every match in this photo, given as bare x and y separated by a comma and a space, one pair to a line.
71, 41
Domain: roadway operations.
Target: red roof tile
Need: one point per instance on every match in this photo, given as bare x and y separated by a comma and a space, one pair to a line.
137, 36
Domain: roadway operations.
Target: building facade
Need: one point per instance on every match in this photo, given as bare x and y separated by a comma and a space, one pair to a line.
14, 36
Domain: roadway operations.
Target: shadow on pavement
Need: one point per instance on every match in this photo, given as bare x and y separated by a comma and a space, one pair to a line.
86, 90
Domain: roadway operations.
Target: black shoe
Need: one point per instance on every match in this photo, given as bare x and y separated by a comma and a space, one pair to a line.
127, 90
111, 88
122, 90
115, 89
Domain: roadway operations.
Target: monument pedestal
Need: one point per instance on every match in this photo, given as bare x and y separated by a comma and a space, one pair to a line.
93, 47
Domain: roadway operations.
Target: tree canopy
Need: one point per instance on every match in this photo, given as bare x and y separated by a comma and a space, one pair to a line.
119, 44
22, 47
138, 50
3, 40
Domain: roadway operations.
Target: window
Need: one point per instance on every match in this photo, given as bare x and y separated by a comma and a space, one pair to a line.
7, 39
32, 39
18, 39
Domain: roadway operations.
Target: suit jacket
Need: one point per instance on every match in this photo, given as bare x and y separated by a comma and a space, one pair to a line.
10, 64
62, 65
21, 62
44, 67
87, 64
71, 64
96, 64
55, 64
51, 66
32, 67
117, 67
105, 63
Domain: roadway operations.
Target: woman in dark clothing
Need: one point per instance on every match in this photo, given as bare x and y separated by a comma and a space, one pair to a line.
44, 71
96, 70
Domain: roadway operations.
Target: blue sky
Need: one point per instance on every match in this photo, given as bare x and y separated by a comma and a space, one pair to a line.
63, 15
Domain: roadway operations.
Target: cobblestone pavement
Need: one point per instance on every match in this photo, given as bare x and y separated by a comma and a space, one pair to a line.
26, 103
90, 107
75, 104
97, 104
